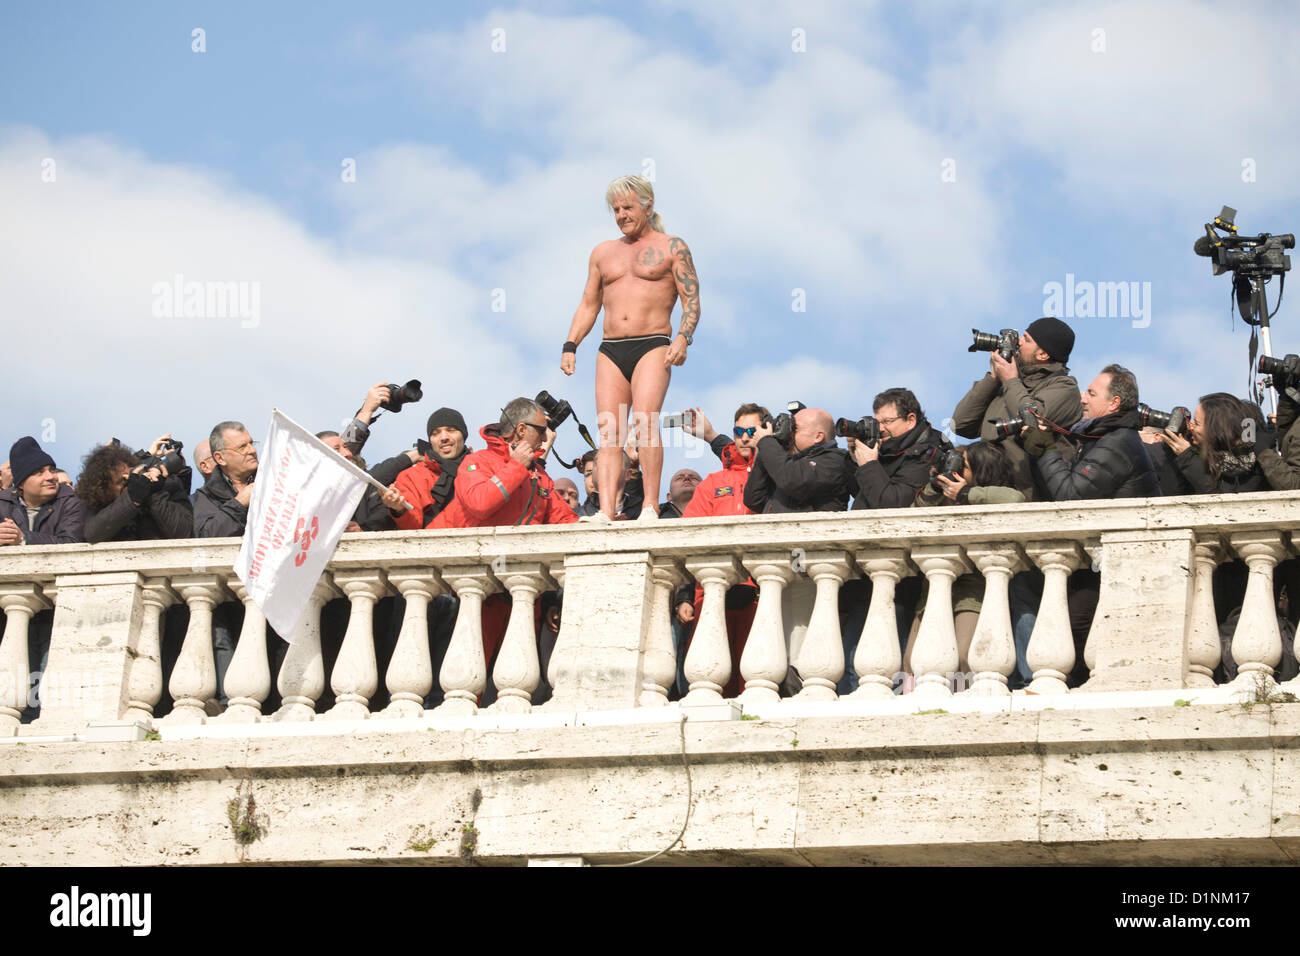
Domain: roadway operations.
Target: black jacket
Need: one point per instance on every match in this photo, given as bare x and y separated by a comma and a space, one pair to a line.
1186, 474
816, 479
168, 513
633, 499
371, 512
893, 479
216, 512
61, 520
1111, 462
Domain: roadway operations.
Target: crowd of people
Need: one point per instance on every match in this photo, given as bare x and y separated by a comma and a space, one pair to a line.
1033, 434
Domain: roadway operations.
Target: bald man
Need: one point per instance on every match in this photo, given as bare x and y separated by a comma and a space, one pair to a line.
681, 489
566, 489
814, 474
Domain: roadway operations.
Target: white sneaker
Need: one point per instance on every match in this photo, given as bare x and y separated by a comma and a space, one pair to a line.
598, 518
648, 514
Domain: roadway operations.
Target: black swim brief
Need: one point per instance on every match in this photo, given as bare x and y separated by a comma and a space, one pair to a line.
625, 353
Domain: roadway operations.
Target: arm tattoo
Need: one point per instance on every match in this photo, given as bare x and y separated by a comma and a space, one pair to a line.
688, 285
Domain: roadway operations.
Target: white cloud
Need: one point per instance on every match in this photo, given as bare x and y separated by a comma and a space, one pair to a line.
79, 283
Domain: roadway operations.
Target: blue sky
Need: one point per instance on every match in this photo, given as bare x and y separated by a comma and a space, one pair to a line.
916, 170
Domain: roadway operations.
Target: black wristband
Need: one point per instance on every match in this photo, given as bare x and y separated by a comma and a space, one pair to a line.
569, 347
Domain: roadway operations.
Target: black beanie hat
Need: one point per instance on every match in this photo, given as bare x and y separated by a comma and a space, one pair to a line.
447, 417
1053, 336
26, 459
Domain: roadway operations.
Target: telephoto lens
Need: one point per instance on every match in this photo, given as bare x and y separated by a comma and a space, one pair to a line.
1006, 343
865, 430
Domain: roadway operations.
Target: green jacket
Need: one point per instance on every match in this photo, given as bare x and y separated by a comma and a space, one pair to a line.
1050, 386
974, 495
1283, 469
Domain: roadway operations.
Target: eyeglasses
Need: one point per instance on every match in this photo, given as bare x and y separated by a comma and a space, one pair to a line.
243, 449
744, 432
886, 421
540, 428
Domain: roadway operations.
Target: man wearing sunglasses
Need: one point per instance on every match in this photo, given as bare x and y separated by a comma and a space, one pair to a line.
505, 484
723, 492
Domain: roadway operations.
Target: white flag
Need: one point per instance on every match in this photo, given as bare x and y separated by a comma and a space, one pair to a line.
303, 499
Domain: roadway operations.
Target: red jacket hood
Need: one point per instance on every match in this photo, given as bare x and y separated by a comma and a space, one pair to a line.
732, 459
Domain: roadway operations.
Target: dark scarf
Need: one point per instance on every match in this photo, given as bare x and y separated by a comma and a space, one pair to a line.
445, 486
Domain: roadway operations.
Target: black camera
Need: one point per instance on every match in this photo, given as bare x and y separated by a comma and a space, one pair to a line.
1174, 420
865, 430
950, 465
399, 395
1026, 414
1006, 343
1285, 371
170, 458
783, 424
1260, 255
557, 410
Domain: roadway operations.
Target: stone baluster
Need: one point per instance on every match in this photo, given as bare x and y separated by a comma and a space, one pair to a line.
517, 671
144, 677
992, 653
355, 677
1257, 641
659, 666
552, 670
763, 663
821, 657
464, 670
708, 662
934, 656
194, 678
1092, 555
1204, 648
1051, 644
410, 672
20, 601
302, 675
248, 678
879, 656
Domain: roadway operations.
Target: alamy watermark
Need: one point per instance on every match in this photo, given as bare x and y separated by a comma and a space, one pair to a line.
1075, 299
181, 299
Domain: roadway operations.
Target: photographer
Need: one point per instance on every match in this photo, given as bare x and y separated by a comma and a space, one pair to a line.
1111, 461
892, 470
504, 484
1282, 468
1214, 457
128, 499
986, 478
813, 475
1037, 374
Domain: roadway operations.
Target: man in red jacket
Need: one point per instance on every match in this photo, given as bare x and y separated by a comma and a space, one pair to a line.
504, 484
723, 493
430, 484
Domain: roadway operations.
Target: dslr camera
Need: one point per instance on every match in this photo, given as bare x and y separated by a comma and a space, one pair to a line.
399, 395
170, 457
1174, 420
1026, 414
951, 463
783, 424
1006, 343
1285, 371
557, 410
865, 430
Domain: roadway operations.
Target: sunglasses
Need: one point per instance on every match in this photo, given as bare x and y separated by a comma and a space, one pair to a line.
746, 432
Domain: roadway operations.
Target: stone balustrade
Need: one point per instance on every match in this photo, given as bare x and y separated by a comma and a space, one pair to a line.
1154, 627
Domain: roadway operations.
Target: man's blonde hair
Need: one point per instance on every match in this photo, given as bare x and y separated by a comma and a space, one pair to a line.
639, 187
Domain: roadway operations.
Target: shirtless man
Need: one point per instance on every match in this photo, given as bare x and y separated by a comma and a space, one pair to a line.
637, 279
